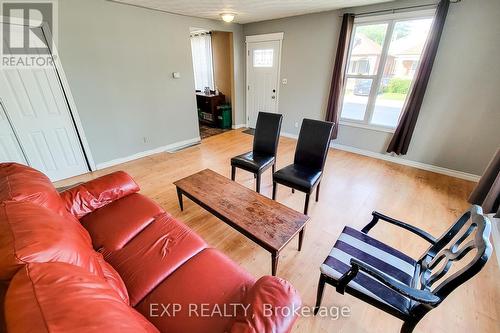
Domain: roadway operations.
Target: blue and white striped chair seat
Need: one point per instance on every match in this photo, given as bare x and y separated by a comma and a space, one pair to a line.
355, 244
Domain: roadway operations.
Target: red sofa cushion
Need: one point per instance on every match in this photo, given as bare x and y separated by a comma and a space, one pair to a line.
268, 290
207, 278
152, 255
22, 183
59, 297
85, 198
114, 279
31, 233
113, 226
3, 289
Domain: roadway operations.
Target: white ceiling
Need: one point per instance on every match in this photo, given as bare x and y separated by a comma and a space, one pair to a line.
247, 10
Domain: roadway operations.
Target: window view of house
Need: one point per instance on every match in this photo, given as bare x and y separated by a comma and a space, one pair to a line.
384, 57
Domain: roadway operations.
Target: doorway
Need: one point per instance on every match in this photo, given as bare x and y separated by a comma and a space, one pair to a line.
213, 67
36, 123
263, 74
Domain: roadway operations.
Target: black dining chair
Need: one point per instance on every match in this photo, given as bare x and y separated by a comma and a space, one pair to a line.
310, 156
396, 283
265, 145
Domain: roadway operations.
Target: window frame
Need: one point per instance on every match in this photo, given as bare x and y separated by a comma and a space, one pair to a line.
262, 65
390, 20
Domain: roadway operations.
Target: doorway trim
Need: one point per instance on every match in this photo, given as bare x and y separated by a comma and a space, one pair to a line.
277, 36
65, 88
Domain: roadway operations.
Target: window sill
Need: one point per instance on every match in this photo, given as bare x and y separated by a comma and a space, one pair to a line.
368, 127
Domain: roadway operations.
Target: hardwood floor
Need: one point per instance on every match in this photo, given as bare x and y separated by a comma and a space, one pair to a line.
353, 186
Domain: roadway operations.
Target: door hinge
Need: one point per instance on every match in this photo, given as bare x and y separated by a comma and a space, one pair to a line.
248, 52
248, 87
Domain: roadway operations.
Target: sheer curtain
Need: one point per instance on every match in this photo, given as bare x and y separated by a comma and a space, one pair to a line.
201, 48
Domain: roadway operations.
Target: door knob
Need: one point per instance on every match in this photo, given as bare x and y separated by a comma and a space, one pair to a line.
273, 97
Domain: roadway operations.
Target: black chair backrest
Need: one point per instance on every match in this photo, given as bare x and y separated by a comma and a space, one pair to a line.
267, 133
313, 143
449, 249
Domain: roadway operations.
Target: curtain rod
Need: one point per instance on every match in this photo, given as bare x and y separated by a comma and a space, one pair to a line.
392, 10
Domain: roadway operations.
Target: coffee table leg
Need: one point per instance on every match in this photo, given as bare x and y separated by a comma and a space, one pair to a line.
179, 196
274, 264
301, 237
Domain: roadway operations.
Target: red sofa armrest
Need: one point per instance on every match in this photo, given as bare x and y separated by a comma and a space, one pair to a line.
273, 307
87, 197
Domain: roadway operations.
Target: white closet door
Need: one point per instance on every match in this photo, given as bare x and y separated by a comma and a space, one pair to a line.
36, 105
10, 150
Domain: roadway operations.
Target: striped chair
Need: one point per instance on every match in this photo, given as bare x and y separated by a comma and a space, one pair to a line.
395, 283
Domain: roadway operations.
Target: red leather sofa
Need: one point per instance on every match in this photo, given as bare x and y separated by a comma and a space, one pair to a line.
100, 257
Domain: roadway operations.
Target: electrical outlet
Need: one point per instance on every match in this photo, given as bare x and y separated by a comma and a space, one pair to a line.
145, 139
284, 81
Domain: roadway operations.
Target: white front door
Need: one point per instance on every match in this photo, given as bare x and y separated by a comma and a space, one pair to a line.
36, 106
263, 76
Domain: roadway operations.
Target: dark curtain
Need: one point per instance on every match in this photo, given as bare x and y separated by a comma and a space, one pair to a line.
402, 136
487, 192
337, 85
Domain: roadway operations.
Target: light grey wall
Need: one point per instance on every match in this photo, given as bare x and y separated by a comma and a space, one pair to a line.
459, 123
119, 61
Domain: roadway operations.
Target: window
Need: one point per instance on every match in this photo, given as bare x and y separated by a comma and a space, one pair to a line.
263, 58
361, 66
383, 58
201, 48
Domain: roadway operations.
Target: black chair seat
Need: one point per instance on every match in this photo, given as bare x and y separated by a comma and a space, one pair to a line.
252, 162
265, 144
310, 156
299, 177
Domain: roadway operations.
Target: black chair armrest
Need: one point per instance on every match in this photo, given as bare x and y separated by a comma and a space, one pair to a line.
419, 232
422, 296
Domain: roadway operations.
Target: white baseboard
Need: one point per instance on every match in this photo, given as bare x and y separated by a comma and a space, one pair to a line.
289, 135
239, 126
170, 147
415, 164
399, 160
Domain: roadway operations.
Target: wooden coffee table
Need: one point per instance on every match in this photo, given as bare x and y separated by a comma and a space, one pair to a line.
267, 222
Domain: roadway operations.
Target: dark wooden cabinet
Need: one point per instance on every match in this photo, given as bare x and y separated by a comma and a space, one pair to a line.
207, 104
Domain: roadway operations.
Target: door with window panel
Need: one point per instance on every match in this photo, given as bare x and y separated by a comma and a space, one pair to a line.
263, 76
383, 59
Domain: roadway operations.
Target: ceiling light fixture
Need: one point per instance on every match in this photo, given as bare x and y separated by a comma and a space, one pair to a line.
227, 17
